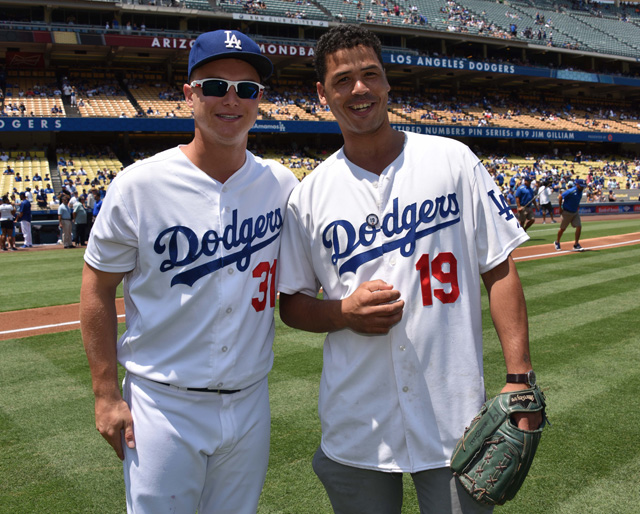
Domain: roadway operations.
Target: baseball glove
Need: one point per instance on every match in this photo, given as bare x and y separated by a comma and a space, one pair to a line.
493, 457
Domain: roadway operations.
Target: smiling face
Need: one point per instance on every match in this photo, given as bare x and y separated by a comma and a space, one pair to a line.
356, 89
223, 120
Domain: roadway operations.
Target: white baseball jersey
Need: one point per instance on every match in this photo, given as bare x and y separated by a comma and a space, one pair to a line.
429, 225
201, 258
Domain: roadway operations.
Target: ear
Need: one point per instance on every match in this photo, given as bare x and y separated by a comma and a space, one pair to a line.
188, 94
321, 93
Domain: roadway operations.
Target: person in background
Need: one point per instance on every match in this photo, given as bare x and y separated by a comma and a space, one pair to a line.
526, 203
64, 220
544, 198
7, 214
24, 217
569, 206
80, 221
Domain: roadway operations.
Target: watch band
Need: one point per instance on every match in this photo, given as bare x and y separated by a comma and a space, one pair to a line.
528, 378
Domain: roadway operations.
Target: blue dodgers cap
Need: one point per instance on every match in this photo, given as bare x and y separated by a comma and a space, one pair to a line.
228, 44
581, 183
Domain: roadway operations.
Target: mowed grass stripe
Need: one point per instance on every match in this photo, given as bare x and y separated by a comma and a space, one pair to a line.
49, 442
591, 382
549, 324
581, 455
609, 494
541, 270
546, 282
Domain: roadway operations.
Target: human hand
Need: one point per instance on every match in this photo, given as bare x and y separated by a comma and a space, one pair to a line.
524, 421
373, 308
112, 417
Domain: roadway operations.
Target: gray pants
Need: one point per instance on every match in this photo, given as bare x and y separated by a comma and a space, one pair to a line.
362, 491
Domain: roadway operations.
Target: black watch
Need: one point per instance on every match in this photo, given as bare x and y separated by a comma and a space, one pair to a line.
528, 378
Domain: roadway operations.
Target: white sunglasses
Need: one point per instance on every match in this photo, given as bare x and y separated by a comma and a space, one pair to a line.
245, 89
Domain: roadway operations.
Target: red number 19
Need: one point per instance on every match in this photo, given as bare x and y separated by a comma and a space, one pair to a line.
444, 277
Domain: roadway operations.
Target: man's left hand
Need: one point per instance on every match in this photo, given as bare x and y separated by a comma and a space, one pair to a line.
524, 421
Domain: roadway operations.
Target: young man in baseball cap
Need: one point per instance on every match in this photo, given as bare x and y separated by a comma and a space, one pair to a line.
192, 422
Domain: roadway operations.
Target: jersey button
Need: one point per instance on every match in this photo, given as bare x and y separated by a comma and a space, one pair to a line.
405, 389
219, 385
224, 348
392, 261
229, 310
402, 348
230, 271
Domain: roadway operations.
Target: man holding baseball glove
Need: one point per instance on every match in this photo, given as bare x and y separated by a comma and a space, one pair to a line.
399, 228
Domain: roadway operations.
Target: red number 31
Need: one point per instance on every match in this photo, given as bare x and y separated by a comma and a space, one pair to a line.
266, 272
444, 277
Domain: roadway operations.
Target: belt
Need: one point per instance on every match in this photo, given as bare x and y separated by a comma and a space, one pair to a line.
202, 389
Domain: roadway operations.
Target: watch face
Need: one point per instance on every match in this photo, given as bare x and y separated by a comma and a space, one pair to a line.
531, 378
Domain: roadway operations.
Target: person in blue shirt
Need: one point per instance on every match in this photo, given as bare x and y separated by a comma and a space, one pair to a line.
526, 204
24, 217
98, 205
569, 205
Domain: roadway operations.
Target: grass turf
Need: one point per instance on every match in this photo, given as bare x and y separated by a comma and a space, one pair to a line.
583, 310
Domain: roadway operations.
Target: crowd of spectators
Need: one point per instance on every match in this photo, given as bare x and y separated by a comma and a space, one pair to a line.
603, 178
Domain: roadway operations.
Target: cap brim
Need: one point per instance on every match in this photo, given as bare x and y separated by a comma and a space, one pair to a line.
262, 64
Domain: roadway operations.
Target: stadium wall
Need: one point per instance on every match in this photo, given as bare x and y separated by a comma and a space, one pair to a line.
302, 127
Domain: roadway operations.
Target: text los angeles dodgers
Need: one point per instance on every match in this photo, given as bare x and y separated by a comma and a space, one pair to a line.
184, 248
342, 236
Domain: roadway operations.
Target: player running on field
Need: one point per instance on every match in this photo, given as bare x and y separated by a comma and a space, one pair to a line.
397, 228
194, 232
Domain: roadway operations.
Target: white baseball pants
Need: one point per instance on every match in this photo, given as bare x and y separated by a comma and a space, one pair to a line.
199, 451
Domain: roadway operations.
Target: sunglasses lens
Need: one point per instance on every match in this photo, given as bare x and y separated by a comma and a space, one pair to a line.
219, 88
214, 88
248, 90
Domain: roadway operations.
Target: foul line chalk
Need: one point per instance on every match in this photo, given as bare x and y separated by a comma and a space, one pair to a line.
42, 327
622, 243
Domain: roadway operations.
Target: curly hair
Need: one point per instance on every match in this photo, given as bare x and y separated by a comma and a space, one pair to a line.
343, 37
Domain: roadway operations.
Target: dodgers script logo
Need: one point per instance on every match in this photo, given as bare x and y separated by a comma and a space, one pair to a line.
182, 246
344, 238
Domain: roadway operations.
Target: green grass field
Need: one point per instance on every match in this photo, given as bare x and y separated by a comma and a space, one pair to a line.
584, 318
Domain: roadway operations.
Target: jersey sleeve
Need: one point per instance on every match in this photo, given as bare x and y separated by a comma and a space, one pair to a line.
296, 263
113, 243
497, 230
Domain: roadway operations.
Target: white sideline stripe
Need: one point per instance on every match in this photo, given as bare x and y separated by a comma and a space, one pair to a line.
41, 327
523, 258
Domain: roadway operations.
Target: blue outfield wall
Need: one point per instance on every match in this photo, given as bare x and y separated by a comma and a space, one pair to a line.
19, 124
594, 209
